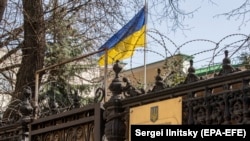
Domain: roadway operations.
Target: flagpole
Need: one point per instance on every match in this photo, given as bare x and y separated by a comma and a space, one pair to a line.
145, 46
105, 74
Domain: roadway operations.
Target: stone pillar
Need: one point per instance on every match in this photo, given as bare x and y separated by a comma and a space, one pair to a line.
115, 127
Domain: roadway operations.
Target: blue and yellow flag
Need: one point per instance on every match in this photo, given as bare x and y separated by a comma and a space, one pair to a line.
122, 44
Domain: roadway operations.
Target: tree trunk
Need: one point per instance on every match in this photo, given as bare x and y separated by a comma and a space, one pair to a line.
3, 4
33, 49
34, 44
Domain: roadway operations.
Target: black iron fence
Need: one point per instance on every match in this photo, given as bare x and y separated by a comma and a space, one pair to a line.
223, 99
81, 124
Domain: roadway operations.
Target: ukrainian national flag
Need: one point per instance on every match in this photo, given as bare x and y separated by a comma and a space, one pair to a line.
122, 44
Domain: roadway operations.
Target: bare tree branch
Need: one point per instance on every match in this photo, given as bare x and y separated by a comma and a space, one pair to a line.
9, 53
9, 67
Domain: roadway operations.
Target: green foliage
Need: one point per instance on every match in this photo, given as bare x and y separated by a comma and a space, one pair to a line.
59, 82
175, 79
245, 59
174, 68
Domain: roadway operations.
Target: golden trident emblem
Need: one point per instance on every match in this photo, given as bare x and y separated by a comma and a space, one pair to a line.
154, 113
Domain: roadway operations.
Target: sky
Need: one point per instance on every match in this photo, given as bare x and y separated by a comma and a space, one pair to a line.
203, 25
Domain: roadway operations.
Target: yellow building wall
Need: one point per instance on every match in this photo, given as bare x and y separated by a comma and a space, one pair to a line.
137, 75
